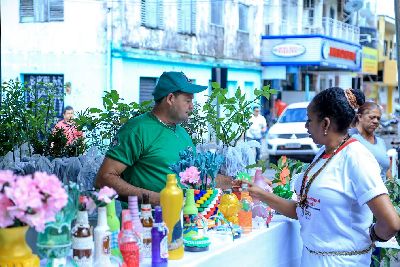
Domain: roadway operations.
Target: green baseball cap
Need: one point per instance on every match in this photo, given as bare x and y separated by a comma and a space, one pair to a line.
173, 81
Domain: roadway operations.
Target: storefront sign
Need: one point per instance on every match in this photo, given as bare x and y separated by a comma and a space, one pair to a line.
369, 60
288, 50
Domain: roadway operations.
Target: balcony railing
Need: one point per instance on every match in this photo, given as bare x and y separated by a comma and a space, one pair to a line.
326, 26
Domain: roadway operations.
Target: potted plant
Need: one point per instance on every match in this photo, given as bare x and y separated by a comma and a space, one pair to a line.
229, 118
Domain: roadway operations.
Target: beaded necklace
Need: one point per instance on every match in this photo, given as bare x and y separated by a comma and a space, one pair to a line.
305, 187
169, 126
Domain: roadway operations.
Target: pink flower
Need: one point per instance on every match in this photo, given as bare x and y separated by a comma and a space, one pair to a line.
5, 218
190, 176
87, 203
6, 178
52, 189
106, 194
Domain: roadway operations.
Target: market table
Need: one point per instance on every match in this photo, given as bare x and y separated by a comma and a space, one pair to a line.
279, 245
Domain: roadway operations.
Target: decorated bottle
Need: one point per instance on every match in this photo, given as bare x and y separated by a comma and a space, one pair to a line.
190, 212
245, 214
171, 200
147, 222
159, 240
260, 209
133, 207
128, 242
82, 241
102, 239
115, 226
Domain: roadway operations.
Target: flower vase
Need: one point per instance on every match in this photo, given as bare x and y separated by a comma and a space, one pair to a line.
207, 201
14, 251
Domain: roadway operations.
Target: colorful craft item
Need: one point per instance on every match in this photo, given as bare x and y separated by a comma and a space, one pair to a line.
207, 201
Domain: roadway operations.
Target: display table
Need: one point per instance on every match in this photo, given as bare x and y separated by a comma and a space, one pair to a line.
278, 245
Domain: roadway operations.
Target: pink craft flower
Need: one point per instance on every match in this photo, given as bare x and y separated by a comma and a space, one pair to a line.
190, 176
86, 203
6, 178
5, 218
106, 194
32, 199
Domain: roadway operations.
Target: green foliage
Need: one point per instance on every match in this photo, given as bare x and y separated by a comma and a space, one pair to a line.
26, 122
235, 112
388, 254
102, 125
284, 171
260, 164
196, 125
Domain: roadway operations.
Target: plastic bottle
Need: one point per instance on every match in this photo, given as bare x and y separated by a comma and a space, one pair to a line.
102, 239
245, 214
171, 200
147, 222
133, 207
115, 226
190, 211
159, 240
128, 242
82, 241
260, 209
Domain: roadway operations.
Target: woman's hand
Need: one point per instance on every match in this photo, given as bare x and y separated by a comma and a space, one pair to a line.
256, 191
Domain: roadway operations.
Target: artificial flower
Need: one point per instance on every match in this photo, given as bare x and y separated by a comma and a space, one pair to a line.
86, 203
190, 176
104, 196
32, 199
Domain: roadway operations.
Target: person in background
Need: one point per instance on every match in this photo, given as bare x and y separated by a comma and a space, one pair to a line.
340, 191
279, 106
366, 122
257, 129
139, 158
68, 125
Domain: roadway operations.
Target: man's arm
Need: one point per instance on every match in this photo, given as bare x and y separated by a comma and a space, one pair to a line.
109, 175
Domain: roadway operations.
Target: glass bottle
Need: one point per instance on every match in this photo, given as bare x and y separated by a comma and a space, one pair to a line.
245, 214
128, 242
102, 239
147, 222
115, 226
159, 240
82, 241
260, 209
171, 200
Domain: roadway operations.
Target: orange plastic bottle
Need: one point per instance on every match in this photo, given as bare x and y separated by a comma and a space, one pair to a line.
245, 214
171, 200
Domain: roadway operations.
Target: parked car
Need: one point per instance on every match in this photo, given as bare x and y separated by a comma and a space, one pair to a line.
288, 136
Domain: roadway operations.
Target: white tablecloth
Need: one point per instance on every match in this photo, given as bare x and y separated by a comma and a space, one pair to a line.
279, 245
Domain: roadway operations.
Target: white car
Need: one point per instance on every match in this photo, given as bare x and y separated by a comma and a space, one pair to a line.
288, 136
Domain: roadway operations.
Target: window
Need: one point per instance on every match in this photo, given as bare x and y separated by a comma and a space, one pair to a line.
243, 17
39, 91
41, 10
187, 16
308, 4
146, 87
216, 12
152, 14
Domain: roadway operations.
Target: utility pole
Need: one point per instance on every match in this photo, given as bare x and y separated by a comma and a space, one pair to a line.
397, 19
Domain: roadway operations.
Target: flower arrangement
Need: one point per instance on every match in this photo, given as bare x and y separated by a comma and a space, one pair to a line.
86, 203
101, 198
30, 200
284, 171
197, 170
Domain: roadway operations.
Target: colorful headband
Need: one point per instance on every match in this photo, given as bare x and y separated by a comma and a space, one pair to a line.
351, 98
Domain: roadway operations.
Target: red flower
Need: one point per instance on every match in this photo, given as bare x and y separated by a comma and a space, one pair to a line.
284, 173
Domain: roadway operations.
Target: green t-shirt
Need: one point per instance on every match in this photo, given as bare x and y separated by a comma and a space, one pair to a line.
148, 147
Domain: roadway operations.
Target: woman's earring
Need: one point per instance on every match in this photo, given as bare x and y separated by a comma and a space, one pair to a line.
326, 132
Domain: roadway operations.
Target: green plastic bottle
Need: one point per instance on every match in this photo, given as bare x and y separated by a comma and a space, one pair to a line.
190, 212
115, 226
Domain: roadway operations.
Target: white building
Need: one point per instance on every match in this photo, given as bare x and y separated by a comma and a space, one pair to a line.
98, 45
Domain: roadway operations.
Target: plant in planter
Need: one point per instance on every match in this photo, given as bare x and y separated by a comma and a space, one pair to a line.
101, 125
196, 125
229, 118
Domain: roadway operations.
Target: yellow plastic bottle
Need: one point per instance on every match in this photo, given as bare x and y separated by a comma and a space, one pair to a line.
171, 200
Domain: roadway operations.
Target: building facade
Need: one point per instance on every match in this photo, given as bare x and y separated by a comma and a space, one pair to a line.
99, 45
308, 46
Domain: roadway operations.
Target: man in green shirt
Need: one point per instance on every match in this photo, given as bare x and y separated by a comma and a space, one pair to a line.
147, 145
